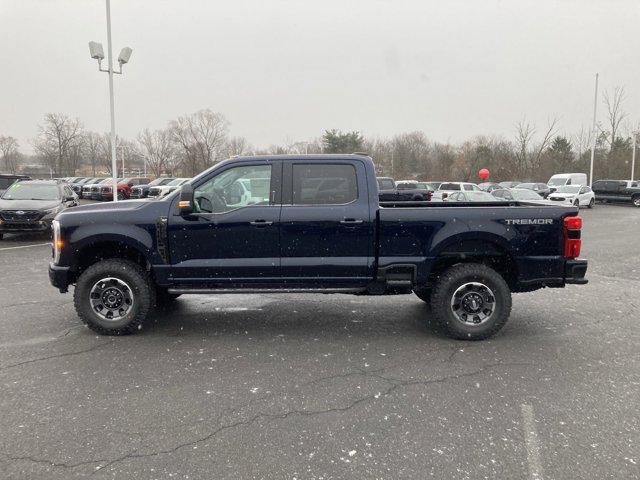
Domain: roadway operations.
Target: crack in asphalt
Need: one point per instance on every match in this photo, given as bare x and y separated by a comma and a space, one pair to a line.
60, 355
394, 385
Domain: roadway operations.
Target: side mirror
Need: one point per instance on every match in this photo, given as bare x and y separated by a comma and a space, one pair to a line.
185, 204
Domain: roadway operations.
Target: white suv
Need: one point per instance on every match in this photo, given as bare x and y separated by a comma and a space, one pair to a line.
447, 188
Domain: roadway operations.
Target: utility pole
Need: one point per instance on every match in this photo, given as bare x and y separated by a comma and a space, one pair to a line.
595, 136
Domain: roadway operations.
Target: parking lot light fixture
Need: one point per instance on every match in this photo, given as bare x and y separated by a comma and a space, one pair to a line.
96, 51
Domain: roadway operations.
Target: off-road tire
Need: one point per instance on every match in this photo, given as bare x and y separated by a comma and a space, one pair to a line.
144, 296
452, 279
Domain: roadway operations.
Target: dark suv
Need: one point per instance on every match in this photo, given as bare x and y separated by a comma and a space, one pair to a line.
617, 191
31, 205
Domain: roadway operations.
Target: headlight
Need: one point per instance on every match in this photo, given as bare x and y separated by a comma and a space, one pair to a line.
57, 241
52, 211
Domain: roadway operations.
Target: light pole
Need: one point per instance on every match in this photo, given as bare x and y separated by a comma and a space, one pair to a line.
96, 51
595, 136
633, 155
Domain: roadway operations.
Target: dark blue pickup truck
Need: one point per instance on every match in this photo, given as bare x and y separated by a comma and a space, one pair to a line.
310, 224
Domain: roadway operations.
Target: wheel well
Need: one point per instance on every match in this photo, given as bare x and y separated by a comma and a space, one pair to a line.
476, 251
96, 252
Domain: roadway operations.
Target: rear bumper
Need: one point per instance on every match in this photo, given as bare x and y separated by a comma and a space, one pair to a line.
575, 271
59, 277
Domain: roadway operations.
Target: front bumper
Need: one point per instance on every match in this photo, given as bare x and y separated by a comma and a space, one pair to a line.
42, 225
575, 271
59, 277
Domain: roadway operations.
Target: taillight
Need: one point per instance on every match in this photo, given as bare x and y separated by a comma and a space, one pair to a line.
572, 236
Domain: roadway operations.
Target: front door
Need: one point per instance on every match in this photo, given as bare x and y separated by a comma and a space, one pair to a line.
326, 228
233, 234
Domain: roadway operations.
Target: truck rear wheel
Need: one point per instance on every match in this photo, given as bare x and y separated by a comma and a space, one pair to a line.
114, 297
471, 301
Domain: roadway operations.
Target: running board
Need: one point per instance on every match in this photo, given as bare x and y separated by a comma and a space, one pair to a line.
220, 291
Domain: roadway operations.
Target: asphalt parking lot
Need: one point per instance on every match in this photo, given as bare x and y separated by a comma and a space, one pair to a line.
321, 387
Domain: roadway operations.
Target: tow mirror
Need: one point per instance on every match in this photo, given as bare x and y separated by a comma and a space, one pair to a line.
185, 204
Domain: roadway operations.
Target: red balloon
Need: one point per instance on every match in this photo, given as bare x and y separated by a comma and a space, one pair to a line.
483, 173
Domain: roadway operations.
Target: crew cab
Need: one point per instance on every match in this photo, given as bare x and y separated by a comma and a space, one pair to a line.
290, 235
617, 191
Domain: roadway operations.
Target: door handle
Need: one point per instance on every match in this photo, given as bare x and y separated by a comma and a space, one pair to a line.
261, 223
351, 221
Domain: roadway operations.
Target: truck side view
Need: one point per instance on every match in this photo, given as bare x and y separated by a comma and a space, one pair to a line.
310, 224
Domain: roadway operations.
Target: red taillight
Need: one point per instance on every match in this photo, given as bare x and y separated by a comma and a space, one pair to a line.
572, 234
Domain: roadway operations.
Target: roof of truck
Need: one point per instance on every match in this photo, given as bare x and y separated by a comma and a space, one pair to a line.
312, 157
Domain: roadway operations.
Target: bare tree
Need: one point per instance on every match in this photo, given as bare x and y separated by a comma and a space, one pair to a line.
201, 138
92, 144
528, 156
9, 153
615, 113
158, 150
57, 138
237, 146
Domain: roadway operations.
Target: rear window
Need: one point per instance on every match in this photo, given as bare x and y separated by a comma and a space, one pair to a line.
385, 184
320, 184
449, 186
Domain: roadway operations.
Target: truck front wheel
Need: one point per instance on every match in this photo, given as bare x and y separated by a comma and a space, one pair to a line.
114, 297
471, 301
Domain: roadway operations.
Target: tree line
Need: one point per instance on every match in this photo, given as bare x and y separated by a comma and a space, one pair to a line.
191, 143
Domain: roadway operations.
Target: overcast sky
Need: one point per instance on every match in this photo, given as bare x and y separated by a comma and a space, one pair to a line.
286, 70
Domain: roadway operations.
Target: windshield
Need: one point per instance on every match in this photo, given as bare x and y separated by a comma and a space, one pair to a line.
569, 189
556, 182
159, 181
523, 194
31, 191
449, 186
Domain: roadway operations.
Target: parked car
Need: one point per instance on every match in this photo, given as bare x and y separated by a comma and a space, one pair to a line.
520, 195
489, 186
625, 191
578, 195
8, 179
142, 191
541, 189
95, 188
472, 197
31, 205
124, 188
124, 258
509, 184
447, 188
77, 186
403, 190
562, 179
85, 192
160, 191
433, 185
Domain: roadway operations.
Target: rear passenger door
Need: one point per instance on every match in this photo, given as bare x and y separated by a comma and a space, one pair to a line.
326, 227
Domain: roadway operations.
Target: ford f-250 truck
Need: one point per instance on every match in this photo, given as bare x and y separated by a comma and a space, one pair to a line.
310, 224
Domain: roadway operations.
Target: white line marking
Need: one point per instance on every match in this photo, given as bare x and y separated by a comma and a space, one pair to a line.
25, 246
531, 441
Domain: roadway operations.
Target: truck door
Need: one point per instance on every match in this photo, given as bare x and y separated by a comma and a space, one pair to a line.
326, 225
233, 234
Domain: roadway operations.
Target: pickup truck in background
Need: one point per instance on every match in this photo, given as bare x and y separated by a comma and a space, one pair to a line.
625, 191
292, 235
405, 190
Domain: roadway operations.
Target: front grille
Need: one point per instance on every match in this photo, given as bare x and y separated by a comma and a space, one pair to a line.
135, 192
153, 192
25, 216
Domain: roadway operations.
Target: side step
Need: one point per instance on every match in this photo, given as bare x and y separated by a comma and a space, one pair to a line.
220, 291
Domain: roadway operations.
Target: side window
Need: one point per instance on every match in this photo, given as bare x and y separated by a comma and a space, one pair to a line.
386, 184
320, 184
467, 187
237, 187
568, 181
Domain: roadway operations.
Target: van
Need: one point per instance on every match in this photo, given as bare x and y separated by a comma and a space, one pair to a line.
562, 179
